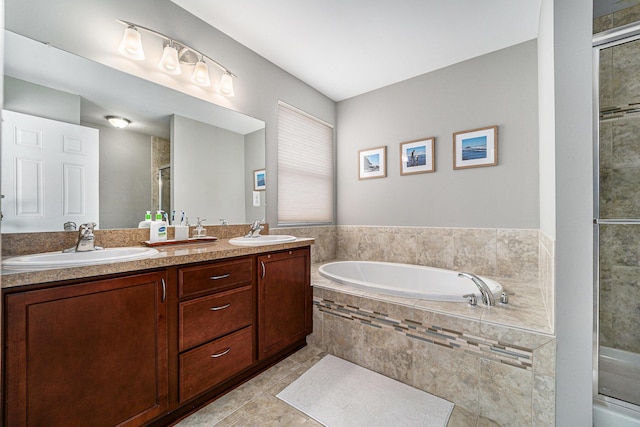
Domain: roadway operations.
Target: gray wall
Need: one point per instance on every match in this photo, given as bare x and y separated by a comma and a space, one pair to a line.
211, 164
253, 160
495, 89
29, 98
125, 168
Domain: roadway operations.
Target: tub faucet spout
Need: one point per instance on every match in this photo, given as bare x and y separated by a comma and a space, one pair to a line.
485, 292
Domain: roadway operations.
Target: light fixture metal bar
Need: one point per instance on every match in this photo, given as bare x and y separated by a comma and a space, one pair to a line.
183, 45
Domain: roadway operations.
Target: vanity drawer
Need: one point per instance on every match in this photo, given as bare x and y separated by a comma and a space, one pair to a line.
211, 364
203, 319
215, 277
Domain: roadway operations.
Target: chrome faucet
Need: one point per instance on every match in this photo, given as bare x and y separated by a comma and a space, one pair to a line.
86, 239
485, 292
255, 229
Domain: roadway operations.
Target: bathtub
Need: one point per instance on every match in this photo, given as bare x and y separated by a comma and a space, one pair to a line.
618, 377
405, 280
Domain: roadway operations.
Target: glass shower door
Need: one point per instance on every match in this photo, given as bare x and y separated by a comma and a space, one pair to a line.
617, 213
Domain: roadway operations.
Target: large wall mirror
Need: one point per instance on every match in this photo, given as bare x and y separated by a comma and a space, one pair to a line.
179, 153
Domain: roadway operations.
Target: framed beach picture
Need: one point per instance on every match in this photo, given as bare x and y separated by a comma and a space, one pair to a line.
372, 163
417, 156
475, 148
259, 180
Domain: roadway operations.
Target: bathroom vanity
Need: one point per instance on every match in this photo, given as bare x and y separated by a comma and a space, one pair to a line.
149, 341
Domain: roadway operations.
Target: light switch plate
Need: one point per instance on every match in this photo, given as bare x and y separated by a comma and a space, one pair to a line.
256, 198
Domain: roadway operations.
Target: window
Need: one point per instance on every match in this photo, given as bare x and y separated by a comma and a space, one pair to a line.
305, 168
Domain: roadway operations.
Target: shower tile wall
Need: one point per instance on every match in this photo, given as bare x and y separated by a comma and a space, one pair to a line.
160, 156
617, 19
619, 170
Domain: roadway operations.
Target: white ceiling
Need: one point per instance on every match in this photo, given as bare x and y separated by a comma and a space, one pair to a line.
344, 48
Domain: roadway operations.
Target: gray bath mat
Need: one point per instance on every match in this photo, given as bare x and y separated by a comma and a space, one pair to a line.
338, 393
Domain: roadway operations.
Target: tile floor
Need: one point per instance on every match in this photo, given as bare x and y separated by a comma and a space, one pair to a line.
255, 403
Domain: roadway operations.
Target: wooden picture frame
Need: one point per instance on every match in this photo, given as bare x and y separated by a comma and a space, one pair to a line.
372, 163
475, 148
259, 180
417, 156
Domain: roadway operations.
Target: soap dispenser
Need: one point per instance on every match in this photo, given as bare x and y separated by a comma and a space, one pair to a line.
147, 221
158, 231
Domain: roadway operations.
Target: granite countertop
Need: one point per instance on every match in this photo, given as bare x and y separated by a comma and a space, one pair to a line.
167, 256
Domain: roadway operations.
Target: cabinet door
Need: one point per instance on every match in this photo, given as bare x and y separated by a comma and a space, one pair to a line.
284, 300
91, 354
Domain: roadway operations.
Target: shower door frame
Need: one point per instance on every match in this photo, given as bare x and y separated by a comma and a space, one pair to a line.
604, 40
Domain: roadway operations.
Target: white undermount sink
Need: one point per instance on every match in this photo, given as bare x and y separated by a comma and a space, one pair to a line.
271, 239
77, 259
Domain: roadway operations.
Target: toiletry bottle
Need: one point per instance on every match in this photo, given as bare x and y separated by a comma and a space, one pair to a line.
158, 231
147, 221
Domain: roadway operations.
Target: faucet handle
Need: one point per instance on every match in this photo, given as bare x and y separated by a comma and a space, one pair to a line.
504, 297
473, 299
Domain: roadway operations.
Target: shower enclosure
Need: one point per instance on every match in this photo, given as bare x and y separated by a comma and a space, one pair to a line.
617, 219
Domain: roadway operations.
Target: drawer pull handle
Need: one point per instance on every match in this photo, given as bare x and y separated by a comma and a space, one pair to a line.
222, 307
164, 291
223, 276
222, 353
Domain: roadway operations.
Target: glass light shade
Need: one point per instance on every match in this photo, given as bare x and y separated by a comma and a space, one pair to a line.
200, 74
118, 122
226, 85
169, 63
131, 44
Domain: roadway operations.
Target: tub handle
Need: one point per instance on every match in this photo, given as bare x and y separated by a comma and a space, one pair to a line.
473, 299
504, 297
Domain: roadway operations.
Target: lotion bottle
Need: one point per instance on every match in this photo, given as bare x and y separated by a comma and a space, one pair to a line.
158, 231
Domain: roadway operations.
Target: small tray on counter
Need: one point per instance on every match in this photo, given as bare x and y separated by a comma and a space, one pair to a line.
181, 242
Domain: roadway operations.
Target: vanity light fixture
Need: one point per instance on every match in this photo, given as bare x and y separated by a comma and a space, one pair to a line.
200, 74
169, 63
226, 84
174, 55
131, 44
118, 121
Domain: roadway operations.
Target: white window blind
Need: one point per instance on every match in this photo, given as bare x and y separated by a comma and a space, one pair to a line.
305, 168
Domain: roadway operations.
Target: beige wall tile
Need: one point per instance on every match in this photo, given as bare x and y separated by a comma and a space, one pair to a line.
435, 247
452, 375
517, 254
475, 250
505, 394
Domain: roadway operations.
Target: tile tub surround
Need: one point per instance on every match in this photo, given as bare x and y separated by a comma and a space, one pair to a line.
502, 253
498, 363
524, 256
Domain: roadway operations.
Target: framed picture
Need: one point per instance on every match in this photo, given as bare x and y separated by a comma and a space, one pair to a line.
417, 156
372, 163
259, 180
475, 148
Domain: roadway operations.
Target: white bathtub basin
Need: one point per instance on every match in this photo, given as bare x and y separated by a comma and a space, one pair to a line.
77, 259
262, 240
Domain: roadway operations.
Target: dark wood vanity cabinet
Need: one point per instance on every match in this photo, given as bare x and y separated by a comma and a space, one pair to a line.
87, 354
284, 300
216, 324
148, 348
